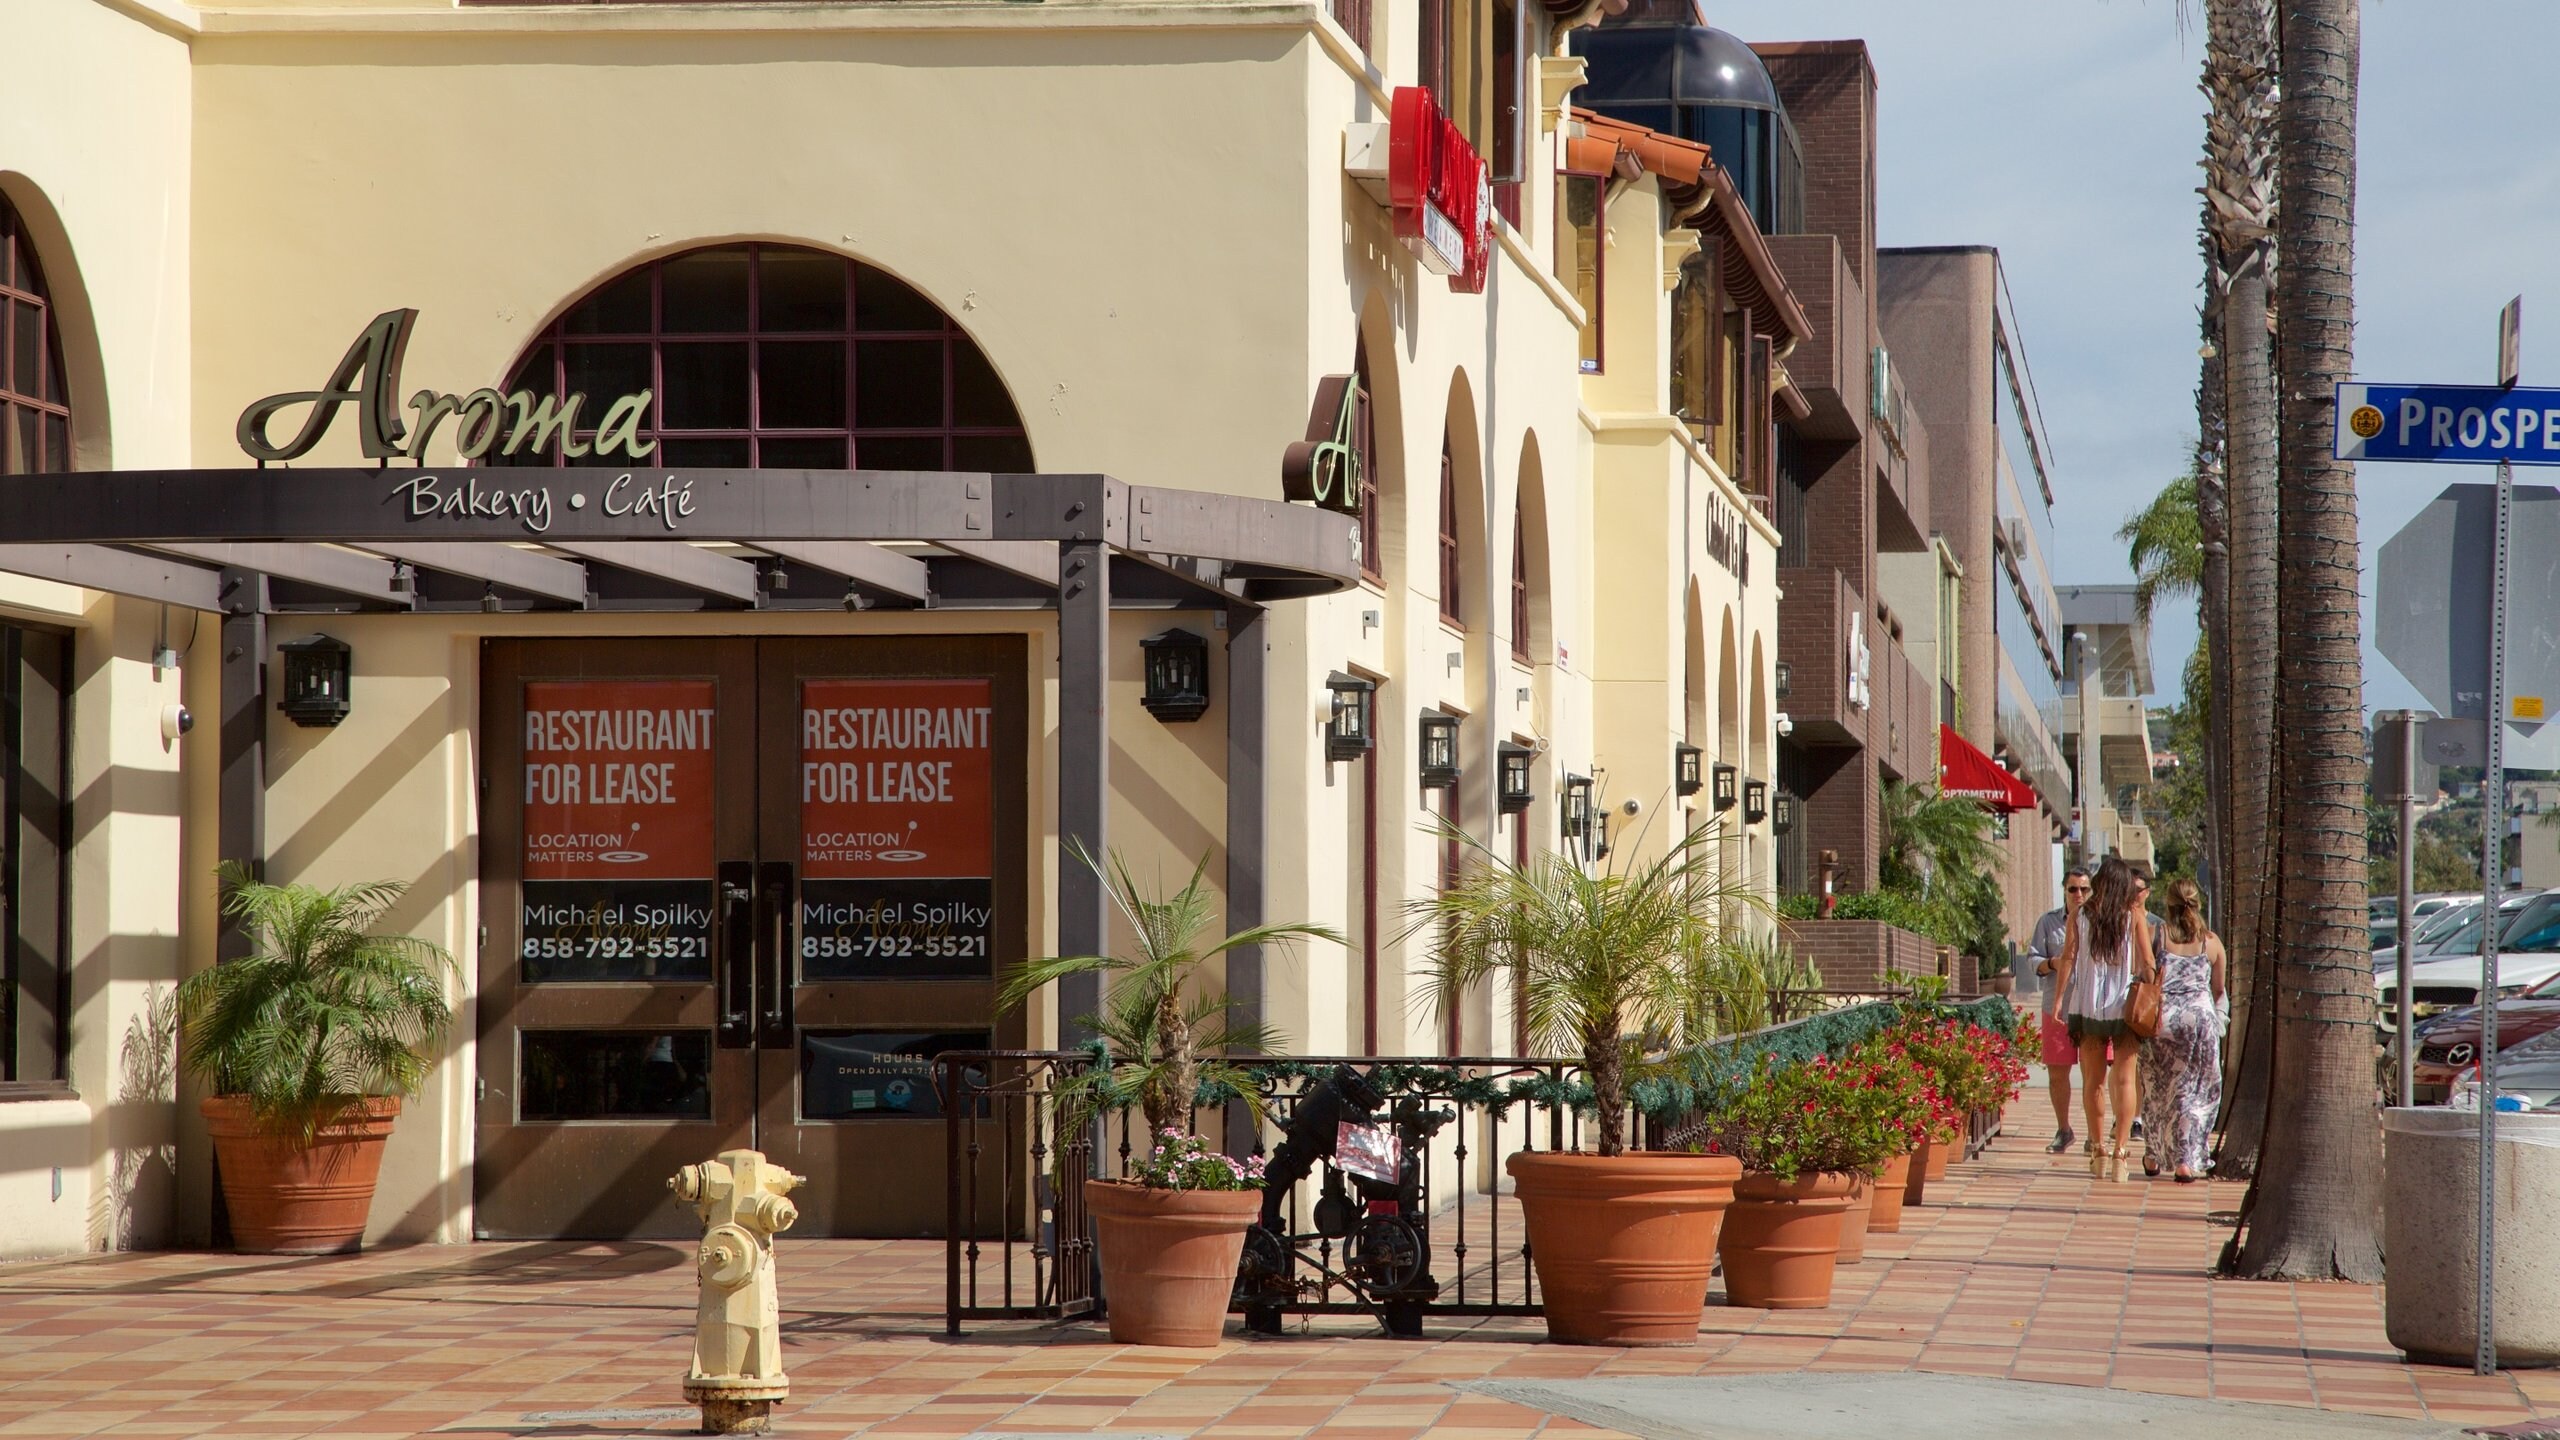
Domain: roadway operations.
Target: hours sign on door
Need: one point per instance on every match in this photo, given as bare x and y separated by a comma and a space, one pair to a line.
617, 829
897, 818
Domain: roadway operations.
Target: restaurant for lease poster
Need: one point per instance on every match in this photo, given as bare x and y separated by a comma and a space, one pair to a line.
897, 820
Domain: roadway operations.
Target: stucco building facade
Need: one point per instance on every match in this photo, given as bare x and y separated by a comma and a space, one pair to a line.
1128, 239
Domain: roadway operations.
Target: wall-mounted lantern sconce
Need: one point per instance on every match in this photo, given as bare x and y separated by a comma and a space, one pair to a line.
318, 676
1685, 760
1755, 801
1783, 677
1515, 777
1439, 751
1349, 735
1599, 847
1728, 781
1577, 806
1177, 676
1785, 814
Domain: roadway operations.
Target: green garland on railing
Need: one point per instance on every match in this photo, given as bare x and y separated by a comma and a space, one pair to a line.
1682, 1080
1691, 1079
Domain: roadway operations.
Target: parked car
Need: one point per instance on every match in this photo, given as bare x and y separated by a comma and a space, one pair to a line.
2532, 1069
2449, 974
2382, 913
2439, 927
2451, 1047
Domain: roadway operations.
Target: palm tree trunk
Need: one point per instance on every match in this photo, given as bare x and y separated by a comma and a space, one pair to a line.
1604, 1058
2241, 81
2253, 623
2315, 1207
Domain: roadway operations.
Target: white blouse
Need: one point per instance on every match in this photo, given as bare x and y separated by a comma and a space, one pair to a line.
2097, 988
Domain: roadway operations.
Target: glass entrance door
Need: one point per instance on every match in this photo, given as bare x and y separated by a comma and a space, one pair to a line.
739, 892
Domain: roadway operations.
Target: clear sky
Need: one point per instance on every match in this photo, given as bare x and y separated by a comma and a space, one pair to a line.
2066, 132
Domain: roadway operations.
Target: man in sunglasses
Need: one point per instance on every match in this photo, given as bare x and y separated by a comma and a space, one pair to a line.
2061, 1056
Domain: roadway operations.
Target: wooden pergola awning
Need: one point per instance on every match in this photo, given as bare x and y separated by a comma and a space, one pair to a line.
251, 544
588, 539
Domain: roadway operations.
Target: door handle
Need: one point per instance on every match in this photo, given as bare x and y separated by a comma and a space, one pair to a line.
735, 971
776, 894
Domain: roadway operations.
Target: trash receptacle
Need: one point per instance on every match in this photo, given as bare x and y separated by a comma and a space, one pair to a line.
2430, 1235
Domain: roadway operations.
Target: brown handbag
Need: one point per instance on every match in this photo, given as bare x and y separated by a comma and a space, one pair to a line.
2142, 1005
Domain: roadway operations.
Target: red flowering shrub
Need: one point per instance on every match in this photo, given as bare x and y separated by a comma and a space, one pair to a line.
1790, 1118
1906, 1091
1972, 1068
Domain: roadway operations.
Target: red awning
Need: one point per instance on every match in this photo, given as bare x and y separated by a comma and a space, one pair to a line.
1964, 770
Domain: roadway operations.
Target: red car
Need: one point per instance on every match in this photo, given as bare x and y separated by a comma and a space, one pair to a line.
2453, 1046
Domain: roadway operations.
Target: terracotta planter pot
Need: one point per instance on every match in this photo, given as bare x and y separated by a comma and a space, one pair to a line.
2003, 983
1168, 1258
1890, 1188
1855, 1221
1623, 1243
288, 1199
1782, 1240
1942, 1149
1915, 1189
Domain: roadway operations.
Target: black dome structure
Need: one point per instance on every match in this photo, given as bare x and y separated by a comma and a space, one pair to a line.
1660, 65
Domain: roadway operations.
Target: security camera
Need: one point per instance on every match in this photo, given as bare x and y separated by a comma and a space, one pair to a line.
175, 720
1632, 805
1785, 725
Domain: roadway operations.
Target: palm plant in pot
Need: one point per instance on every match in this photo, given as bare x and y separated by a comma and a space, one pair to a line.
1171, 1233
1601, 961
308, 1043
1809, 1136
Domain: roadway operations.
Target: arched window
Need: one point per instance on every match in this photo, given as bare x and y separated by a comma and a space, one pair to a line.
1373, 558
1519, 585
1450, 571
779, 357
35, 408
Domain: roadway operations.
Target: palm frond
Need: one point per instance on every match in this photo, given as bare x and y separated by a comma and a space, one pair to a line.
323, 1010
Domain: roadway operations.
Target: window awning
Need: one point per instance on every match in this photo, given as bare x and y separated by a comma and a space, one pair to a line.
1965, 771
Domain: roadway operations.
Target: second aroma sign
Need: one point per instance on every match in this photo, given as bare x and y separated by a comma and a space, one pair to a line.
897, 822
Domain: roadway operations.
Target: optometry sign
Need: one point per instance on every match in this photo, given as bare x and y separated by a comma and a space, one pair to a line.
617, 830
484, 421
897, 821
1440, 191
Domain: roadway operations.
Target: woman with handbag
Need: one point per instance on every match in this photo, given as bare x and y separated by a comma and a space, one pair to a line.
2110, 993
2182, 1084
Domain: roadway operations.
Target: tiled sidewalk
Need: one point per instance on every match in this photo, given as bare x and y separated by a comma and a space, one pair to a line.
2020, 1267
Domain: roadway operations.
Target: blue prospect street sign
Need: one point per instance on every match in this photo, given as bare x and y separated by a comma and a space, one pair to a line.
2454, 424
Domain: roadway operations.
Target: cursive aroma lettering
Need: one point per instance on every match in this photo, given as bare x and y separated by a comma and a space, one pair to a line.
368, 377
468, 499
668, 500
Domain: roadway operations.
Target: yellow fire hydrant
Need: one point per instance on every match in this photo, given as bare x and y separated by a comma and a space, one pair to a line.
737, 1337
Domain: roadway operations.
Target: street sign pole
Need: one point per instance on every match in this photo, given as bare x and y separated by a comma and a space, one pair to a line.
2409, 727
2493, 845
2493, 851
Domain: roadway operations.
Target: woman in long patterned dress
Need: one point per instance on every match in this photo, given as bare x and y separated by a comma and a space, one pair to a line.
2182, 1070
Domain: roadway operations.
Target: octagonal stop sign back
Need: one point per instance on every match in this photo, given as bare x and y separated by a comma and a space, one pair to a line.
2431, 609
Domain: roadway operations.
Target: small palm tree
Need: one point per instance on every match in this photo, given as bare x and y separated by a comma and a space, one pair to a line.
1155, 1024
2165, 541
1933, 840
1603, 961
322, 1012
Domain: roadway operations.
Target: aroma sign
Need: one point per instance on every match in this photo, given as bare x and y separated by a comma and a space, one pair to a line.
484, 421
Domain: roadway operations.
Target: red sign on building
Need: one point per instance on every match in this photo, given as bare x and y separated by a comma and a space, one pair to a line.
1441, 191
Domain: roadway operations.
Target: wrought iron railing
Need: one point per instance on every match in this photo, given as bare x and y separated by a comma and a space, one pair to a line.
1018, 1245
